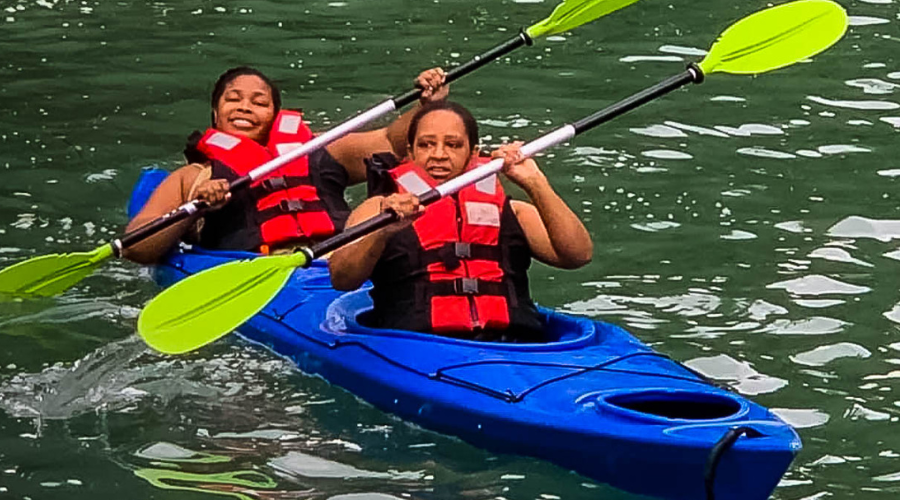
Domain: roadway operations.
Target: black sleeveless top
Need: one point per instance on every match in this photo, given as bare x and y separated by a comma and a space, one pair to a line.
401, 293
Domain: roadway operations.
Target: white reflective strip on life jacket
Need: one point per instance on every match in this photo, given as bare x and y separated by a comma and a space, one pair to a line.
290, 124
488, 185
224, 141
482, 214
414, 184
286, 147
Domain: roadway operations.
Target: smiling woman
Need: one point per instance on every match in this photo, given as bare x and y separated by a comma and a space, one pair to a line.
244, 102
303, 202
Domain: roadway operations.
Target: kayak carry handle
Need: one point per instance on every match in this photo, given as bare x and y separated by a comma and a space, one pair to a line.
718, 450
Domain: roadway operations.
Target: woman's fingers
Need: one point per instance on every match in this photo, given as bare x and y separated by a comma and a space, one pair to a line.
214, 192
432, 84
511, 154
404, 205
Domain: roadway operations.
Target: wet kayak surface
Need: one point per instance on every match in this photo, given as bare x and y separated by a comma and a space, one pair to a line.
592, 398
746, 227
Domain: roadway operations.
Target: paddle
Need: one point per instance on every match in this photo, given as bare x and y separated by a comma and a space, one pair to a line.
206, 306
51, 274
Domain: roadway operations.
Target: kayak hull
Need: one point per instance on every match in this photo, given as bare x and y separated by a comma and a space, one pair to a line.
596, 400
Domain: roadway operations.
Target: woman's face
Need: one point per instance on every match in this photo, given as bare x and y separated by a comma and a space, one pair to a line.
442, 145
246, 108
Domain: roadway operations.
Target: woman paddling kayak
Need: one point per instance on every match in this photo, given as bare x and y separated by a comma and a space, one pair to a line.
301, 203
458, 267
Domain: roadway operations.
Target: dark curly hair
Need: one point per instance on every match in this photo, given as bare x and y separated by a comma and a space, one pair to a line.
468, 120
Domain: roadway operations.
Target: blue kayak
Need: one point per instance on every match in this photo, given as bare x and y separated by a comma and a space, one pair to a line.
595, 399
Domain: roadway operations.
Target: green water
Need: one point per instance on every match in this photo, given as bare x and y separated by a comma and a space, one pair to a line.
726, 221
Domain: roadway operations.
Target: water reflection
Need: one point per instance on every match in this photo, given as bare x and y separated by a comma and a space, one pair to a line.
825, 354
298, 465
739, 375
856, 226
862, 105
873, 85
802, 418
818, 285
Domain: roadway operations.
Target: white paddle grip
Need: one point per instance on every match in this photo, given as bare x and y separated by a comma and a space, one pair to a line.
558, 136
325, 138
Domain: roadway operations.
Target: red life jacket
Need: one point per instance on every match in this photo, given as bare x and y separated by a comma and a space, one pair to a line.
461, 267
286, 204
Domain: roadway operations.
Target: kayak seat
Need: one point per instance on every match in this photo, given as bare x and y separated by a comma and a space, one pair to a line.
347, 315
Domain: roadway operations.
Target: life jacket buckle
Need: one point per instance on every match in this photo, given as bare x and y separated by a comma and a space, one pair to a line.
274, 184
465, 286
291, 206
463, 250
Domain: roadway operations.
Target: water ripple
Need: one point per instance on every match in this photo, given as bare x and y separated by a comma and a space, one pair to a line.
836, 149
837, 255
863, 105
683, 51
867, 21
816, 325
873, 85
802, 418
740, 375
793, 226
661, 131
818, 285
766, 153
631, 59
858, 411
666, 154
696, 129
750, 129
856, 226
823, 355
296, 464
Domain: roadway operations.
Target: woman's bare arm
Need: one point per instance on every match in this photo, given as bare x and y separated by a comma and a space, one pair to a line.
173, 192
353, 264
556, 236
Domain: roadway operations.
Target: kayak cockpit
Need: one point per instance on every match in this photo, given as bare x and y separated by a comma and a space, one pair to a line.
346, 315
669, 404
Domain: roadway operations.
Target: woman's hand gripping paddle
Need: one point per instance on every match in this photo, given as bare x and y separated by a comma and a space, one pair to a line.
52, 274
207, 306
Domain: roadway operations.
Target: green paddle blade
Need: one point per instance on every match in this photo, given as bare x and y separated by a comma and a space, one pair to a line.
49, 275
211, 304
777, 37
573, 13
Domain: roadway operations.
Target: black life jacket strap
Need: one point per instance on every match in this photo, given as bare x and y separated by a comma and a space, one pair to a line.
468, 286
290, 207
450, 254
281, 183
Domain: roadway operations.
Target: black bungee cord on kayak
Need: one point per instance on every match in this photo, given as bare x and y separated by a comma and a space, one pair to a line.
715, 456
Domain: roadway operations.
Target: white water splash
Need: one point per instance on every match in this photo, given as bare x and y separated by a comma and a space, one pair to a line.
120, 374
